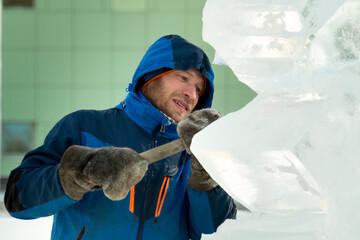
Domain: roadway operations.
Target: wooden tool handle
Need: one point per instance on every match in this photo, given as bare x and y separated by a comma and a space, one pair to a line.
163, 151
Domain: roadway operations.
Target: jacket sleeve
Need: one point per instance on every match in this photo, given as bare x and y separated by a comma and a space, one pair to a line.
207, 210
34, 189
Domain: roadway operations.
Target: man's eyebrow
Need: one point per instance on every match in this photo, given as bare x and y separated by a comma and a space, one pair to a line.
192, 74
183, 72
201, 85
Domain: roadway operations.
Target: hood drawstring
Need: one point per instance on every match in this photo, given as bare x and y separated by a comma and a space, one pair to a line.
129, 88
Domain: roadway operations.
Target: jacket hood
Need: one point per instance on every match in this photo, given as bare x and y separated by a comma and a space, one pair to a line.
168, 52
174, 52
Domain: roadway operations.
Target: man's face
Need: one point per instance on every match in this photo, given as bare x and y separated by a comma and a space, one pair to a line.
176, 93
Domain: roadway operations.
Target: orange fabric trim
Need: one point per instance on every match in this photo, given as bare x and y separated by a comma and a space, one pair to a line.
162, 195
157, 76
203, 90
162, 201
132, 199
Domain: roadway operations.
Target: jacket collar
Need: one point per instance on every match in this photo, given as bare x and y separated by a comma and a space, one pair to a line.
145, 115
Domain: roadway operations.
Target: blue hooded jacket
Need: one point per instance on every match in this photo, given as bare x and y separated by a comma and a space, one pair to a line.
160, 206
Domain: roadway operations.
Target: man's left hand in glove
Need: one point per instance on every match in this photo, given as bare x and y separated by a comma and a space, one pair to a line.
199, 179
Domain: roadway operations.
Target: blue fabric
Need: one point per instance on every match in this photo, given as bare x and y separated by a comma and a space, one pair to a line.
91, 141
220, 211
200, 217
34, 188
44, 210
159, 55
144, 114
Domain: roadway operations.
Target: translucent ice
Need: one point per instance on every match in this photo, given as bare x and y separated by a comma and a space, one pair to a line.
263, 41
292, 154
264, 173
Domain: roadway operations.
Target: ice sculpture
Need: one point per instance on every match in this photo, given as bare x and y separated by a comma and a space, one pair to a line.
291, 155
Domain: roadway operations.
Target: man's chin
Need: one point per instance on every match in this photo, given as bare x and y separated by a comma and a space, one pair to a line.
173, 116
178, 117
181, 116
176, 114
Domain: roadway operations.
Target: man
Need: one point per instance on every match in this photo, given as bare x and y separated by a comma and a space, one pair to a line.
88, 172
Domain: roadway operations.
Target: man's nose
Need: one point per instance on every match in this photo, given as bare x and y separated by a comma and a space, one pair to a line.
190, 92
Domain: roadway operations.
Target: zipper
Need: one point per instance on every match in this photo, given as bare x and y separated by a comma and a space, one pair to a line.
162, 130
142, 221
163, 189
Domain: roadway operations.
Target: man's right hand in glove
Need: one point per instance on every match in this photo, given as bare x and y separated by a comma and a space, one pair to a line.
115, 170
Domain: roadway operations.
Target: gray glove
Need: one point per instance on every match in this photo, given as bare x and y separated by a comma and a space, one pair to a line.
115, 170
199, 179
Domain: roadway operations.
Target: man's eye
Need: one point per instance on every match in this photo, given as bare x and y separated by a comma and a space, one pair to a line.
182, 77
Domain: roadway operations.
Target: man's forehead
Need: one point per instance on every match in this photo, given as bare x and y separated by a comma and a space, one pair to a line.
193, 72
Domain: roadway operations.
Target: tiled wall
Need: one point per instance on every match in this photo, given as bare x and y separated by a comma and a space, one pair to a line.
65, 55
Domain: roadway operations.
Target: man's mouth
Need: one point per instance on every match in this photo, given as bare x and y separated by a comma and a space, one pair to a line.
182, 104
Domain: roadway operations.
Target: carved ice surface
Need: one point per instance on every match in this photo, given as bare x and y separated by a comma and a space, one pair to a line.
259, 38
292, 155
